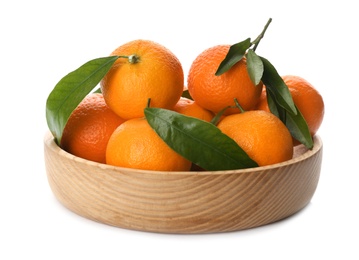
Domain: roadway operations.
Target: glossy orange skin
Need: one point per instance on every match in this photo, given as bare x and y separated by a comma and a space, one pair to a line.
89, 128
189, 107
213, 92
134, 144
307, 99
261, 135
157, 74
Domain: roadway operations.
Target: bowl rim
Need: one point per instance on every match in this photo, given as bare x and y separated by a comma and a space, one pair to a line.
303, 152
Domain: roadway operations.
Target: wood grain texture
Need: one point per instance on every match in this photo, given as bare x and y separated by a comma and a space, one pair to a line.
183, 202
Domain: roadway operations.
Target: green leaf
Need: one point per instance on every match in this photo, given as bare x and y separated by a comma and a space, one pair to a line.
276, 86
215, 120
254, 67
272, 105
198, 141
279, 102
235, 54
298, 128
71, 90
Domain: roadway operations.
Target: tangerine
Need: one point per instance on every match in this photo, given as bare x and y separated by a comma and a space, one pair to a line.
217, 92
263, 103
189, 107
260, 134
89, 128
144, 70
134, 144
307, 99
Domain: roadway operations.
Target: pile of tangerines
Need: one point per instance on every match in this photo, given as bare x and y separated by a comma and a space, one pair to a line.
110, 126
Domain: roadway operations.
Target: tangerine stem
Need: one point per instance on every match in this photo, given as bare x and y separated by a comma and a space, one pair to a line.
261, 35
218, 116
148, 102
239, 106
131, 59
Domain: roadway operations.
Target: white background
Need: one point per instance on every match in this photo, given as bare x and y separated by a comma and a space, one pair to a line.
41, 41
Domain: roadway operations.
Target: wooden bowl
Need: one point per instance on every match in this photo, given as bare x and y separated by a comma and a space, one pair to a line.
183, 202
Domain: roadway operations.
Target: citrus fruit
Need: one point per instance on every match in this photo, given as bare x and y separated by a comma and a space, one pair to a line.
188, 107
148, 71
89, 127
263, 103
307, 99
217, 92
134, 144
260, 134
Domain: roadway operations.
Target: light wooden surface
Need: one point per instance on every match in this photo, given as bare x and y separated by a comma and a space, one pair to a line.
183, 202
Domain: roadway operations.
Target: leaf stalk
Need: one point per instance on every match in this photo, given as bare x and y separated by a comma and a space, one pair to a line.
261, 35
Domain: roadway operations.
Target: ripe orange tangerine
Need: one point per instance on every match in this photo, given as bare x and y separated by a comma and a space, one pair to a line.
189, 107
145, 70
89, 128
260, 134
134, 144
308, 100
217, 92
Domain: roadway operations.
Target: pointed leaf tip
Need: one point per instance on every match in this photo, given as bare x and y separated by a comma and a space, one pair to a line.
235, 54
